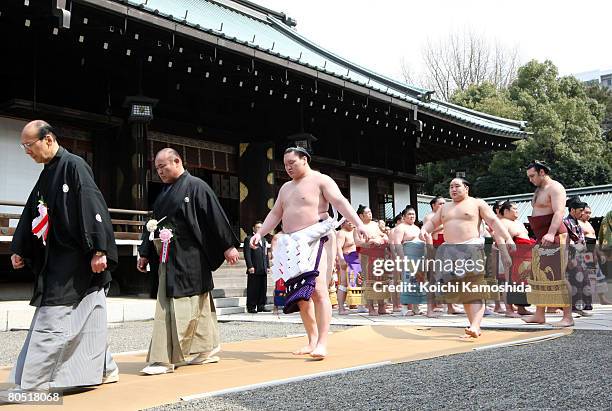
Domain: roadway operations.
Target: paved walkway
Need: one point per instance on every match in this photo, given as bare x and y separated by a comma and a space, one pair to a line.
18, 315
600, 320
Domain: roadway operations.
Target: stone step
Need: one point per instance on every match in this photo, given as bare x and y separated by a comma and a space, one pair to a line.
230, 282
235, 283
235, 292
236, 276
229, 274
237, 310
225, 302
230, 310
226, 266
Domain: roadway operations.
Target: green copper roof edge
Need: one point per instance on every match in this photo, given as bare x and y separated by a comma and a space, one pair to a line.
342, 61
511, 122
425, 108
390, 83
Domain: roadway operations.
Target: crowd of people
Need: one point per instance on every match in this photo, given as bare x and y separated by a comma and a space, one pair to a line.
402, 239
507, 247
65, 236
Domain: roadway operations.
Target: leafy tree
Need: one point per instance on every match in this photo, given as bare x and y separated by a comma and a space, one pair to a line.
440, 173
603, 96
564, 122
486, 98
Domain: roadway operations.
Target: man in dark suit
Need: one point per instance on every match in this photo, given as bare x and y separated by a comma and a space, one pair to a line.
258, 266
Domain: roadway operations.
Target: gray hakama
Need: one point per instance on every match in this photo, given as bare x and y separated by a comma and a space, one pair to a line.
65, 347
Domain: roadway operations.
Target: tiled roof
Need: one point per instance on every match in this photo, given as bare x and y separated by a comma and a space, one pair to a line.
261, 29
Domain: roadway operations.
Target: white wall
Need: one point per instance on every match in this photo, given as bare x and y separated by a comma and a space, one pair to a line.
360, 192
401, 197
18, 172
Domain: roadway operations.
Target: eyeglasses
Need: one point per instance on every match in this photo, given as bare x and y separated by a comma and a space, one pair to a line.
29, 144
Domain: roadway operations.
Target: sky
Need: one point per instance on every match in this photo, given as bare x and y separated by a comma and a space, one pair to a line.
574, 35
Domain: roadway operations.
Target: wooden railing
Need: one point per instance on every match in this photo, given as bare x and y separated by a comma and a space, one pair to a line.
128, 227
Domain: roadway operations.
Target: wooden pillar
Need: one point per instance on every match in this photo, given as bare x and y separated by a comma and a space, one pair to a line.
105, 159
131, 170
256, 183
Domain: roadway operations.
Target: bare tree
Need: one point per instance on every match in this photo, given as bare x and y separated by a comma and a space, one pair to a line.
408, 73
461, 60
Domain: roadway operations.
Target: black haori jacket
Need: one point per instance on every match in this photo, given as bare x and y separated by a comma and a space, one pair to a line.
201, 234
79, 225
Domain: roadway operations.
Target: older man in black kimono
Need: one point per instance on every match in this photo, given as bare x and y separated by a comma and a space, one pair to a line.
66, 238
191, 237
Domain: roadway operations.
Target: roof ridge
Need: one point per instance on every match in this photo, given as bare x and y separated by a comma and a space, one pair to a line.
262, 9
417, 92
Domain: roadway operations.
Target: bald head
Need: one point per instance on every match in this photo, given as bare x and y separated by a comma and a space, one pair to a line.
170, 153
39, 141
40, 127
169, 165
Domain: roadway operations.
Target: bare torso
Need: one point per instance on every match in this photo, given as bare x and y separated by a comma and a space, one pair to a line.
410, 232
461, 220
515, 228
345, 237
400, 234
303, 202
374, 234
373, 230
587, 228
542, 198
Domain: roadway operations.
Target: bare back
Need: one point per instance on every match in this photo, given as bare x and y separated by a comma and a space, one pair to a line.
303, 202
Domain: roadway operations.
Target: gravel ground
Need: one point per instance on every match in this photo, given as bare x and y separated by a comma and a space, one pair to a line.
568, 373
132, 336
